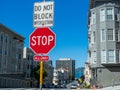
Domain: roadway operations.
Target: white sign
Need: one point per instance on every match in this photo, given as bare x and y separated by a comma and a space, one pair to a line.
43, 14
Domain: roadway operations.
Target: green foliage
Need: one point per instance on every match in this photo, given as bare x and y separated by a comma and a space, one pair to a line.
37, 73
71, 77
86, 86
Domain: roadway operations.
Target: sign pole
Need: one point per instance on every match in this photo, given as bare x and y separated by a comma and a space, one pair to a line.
41, 74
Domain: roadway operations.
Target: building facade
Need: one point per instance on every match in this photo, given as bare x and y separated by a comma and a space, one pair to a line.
11, 58
87, 73
67, 63
11, 51
49, 69
104, 41
60, 76
28, 66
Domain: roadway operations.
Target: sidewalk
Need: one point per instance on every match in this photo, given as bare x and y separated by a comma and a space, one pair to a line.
111, 88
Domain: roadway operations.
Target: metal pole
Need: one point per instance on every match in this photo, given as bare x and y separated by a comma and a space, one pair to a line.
41, 74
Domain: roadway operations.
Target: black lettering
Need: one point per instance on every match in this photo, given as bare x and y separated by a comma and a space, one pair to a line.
37, 8
47, 7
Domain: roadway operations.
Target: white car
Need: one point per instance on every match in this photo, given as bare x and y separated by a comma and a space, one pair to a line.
73, 86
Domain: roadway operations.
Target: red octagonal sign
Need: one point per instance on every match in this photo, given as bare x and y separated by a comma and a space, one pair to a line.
42, 40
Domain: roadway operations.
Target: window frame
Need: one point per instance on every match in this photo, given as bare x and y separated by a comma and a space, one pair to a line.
102, 35
102, 14
94, 57
103, 56
93, 17
113, 35
112, 13
111, 56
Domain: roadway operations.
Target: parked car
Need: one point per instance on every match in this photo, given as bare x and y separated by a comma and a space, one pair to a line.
63, 86
73, 86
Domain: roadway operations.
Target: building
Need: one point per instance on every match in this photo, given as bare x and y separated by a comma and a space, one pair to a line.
29, 65
11, 58
87, 73
79, 72
60, 76
67, 63
49, 69
104, 41
11, 51
55, 77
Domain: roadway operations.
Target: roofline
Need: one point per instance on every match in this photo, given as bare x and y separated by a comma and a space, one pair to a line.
90, 6
12, 31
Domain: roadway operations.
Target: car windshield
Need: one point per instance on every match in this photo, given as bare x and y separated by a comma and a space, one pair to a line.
74, 84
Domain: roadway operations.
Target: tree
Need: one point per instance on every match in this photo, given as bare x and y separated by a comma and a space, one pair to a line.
37, 73
71, 77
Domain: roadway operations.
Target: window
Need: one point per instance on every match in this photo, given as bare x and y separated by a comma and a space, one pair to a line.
94, 36
0, 51
28, 57
1, 37
111, 56
16, 56
103, 56
86, 72
116, 35
20, 56
28, 66
116, 10
93, 18
28, 75
5, 52
109, 14
110, 34
103, 35
118, 56
94, 57
6, 38
102, 15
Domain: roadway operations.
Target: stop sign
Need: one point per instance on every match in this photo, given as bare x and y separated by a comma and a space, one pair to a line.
42, 40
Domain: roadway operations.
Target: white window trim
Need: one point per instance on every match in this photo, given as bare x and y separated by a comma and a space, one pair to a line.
92, 19
113, 18
101, 15
101, 36
105, 56
118, 35
119, 56
113, 34
114, 56
113, 13
94, 37
94, 58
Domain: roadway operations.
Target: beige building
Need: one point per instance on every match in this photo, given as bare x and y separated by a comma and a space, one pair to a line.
60, 76
87, 73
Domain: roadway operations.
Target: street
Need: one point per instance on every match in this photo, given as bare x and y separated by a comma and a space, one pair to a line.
106, 88
32, 89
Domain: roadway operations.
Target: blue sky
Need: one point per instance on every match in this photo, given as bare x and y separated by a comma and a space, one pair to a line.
70, 25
